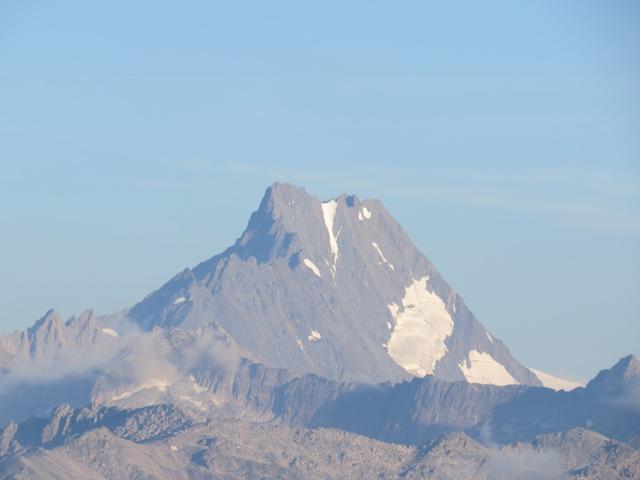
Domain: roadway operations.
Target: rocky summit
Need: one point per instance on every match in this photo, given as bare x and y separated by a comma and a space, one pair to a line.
338, 289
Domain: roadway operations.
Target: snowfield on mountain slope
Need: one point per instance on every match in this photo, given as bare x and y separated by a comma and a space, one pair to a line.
314, 336
482, 368
329, 214
364, 214
312, 266
555, 383
375, 245
110, 331
422, 324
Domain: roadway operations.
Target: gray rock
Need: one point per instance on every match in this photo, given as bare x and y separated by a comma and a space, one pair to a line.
264, 295
418, 411
272, 360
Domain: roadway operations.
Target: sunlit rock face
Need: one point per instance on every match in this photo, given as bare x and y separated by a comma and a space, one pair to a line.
345, 269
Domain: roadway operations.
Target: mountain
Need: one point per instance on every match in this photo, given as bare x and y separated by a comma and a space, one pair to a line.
338, 289
50, 336
53, 362
333, 288
322, 344
263, 422
418, 411
623, 379
204, 372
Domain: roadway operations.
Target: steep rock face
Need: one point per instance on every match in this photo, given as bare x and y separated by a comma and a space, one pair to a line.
141, 424
609, 404
52, 362
418, 411
337, 289
51, 335
623, 379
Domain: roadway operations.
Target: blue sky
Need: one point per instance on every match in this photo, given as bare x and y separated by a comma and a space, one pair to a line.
137, 137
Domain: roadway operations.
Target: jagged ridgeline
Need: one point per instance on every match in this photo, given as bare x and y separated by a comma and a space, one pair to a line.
321, 344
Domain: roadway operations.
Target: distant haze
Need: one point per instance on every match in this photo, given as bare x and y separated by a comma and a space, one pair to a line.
136, 139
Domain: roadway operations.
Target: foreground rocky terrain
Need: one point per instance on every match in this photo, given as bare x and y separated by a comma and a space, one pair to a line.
159, 442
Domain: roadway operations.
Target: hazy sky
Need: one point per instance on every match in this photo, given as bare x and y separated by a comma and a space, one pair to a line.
137, 137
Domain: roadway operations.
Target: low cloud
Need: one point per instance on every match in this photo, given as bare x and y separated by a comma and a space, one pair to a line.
523, 462
134, 357
520, 460
142, 356
629, 397
64, 362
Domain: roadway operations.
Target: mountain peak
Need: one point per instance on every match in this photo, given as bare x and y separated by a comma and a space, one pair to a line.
618, 377
629, 365
281, 194
289, 219
626, 367
271, 228
336, 288
48, 320
287, 194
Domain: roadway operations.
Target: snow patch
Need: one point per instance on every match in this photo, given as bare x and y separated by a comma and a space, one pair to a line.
315, 335
174, 448
375, 245
422, 326
489, 336
311, 266
329, 213
195, 385
161, 385
482, 368
555, 383
366, 213
110, 331
179, 300
300, 344
389, 325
